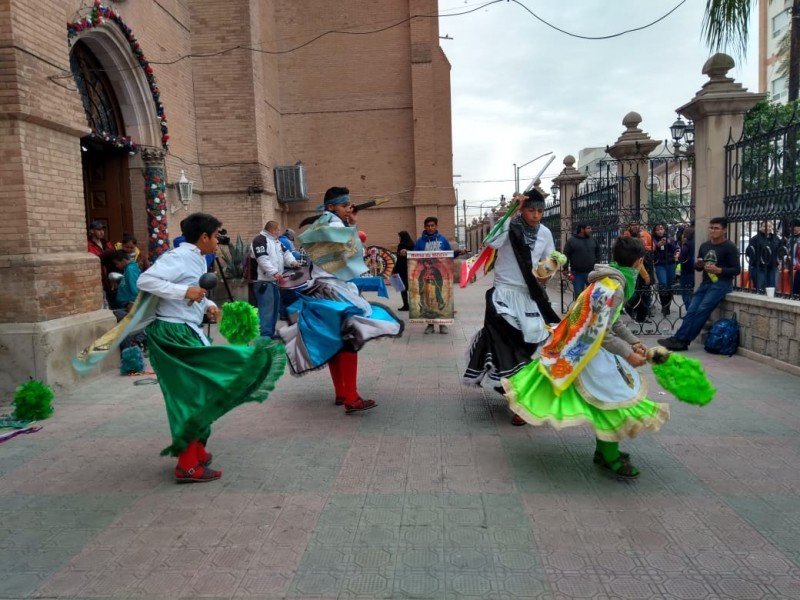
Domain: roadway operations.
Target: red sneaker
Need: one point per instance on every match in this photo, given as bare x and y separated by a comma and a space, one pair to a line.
517, 420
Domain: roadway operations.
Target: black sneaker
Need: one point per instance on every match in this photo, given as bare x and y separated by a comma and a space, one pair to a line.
672, 343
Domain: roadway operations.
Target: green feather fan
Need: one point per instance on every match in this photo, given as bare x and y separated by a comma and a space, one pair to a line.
685, 379
239, 324
33, 401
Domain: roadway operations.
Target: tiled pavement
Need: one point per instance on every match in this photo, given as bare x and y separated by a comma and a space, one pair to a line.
431, 495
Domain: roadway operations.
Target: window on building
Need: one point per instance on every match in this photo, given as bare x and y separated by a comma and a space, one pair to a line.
779, 23
780, 89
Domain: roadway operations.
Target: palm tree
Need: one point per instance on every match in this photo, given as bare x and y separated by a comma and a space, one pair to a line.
725, 26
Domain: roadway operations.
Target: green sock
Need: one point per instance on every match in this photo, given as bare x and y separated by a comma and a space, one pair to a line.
610, 453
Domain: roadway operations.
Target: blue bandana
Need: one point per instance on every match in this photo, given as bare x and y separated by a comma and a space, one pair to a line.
335, 201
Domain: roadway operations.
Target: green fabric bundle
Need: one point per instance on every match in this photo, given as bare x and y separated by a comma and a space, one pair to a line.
239, 324
684, 378
33, 401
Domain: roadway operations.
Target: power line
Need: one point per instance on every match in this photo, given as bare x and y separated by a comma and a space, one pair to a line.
393, 25
600, 37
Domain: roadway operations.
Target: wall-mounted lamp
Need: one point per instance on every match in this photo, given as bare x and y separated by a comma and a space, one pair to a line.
184, 187
554, 189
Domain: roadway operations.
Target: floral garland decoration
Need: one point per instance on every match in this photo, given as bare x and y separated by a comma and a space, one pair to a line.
155, 189
115, 140
98, 15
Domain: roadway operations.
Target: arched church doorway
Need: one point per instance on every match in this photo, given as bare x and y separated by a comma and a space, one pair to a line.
106, 179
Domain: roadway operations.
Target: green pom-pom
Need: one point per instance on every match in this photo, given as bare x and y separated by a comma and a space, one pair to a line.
239, 324
685, 379
33, 401
560, 258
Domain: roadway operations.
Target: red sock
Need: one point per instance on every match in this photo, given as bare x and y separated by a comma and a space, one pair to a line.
202, 455
335, 367
348, 362
188, 458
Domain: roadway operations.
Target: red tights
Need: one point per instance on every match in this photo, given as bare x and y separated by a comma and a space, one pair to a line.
344, 373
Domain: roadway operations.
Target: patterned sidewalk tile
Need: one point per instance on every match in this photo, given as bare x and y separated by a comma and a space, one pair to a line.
432, 495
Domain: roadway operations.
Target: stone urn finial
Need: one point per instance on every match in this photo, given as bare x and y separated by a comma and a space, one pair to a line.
631, 121
569, 161
717, 67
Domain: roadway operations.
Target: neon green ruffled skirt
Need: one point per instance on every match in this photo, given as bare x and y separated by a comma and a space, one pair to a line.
201, 383
531, 395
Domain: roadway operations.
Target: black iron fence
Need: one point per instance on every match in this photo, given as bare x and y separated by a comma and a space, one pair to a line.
642, 197
762, 201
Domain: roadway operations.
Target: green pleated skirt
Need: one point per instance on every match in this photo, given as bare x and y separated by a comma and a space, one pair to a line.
531, 395
201, 383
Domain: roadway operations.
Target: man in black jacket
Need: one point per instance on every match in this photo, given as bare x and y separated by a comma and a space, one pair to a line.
582, 252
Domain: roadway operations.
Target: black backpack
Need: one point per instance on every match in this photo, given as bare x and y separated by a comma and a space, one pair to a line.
723, 337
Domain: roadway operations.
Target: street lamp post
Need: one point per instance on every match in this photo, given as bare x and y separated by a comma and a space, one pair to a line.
554, 189
455, 187
517, 169
681, 130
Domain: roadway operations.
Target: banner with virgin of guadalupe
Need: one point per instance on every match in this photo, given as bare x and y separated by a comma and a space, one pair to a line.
430, 287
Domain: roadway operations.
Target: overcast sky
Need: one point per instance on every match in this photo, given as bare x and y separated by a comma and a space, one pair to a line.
520, 88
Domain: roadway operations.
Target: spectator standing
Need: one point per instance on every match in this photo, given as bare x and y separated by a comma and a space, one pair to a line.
271, 259
686, 260
287, 241
129, 245
794, 255
582, 252
98, 245
762, 254
718, 259
635, 230
288, 296
664, 250
401, 264
639, 305
433, 241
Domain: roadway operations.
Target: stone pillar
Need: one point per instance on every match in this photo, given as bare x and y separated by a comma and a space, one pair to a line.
51, 299
631, 150
718, 111
156, 201
568, 181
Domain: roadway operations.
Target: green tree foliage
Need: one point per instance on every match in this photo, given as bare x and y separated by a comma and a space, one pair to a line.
670, 208
768, 151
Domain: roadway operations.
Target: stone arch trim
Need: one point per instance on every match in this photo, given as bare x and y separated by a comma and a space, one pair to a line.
131, 75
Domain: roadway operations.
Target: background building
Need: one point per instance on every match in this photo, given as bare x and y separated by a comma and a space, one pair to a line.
102, 112
773, 24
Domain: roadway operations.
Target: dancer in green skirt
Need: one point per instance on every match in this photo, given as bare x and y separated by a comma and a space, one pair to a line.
587, 370
200, 382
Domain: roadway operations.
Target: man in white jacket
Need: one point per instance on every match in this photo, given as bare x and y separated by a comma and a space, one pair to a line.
270, 258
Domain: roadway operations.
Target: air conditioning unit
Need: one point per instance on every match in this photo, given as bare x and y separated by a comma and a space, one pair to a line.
290, 183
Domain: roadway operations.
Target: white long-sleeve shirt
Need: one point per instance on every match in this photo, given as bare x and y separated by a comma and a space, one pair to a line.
511, 296
506, 269
272, 258
169, 277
